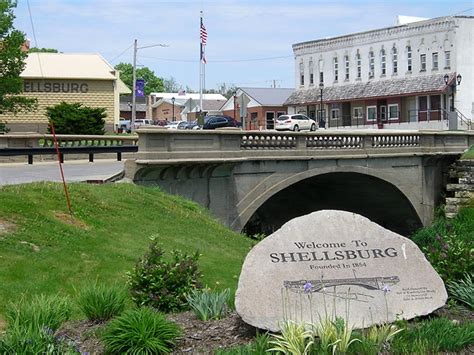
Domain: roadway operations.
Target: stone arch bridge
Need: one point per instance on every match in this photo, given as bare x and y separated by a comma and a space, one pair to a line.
257, 180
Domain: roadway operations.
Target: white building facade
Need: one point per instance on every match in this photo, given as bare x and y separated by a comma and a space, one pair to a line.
393, 77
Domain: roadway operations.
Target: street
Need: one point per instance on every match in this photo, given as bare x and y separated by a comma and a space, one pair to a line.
78, 170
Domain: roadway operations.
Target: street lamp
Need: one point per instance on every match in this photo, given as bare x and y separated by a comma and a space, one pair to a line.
453, 87
235, 106
172, 100
322, 123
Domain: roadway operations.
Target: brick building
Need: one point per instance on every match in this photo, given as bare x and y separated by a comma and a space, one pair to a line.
55, 77
257, 108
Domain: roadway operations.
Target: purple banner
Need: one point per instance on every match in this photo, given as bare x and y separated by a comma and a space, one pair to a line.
140, 88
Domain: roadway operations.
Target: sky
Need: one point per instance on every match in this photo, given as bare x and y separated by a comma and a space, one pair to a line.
249, 41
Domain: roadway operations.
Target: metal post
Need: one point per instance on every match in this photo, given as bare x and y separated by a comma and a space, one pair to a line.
321, 118
172, 100
134, 86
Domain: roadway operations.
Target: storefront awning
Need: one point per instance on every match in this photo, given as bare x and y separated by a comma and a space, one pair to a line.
371, 89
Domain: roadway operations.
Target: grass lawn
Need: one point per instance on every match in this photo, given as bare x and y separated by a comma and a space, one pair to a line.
42, 252
469, 154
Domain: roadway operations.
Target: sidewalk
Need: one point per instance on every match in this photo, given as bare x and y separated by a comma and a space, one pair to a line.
74, 171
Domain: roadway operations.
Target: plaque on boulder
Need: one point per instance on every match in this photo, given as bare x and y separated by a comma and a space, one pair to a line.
335, 263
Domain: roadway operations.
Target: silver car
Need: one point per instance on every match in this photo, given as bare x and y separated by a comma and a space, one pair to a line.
295, 123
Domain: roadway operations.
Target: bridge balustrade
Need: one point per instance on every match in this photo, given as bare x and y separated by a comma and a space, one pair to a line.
258, 140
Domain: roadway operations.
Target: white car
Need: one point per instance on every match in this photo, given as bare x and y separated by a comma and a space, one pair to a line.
177, 125
295, 123
143, 122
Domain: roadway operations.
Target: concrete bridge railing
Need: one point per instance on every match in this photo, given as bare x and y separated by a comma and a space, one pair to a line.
157, 145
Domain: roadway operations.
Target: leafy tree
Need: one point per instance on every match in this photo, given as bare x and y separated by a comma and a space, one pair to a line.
152, 82
76, 119
42, 50
170, 85
12, 63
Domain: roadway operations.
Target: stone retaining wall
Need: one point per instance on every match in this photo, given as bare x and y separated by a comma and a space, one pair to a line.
460, 189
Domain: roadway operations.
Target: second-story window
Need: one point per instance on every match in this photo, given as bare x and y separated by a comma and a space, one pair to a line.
422, 62
409, 59
371, 64
447, 60
301, 74
346, 64
394, 60
359, 66
383, 62
336, 69
435, 61
311, 72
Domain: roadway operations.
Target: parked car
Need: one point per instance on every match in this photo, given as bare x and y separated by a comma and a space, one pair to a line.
192, 125
124, 126
213, 122
177, 125
161, 123
143, 122
295, 123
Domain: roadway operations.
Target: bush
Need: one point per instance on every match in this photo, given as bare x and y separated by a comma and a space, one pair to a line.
463, 290
100, 302
4, 128
76, 119
207, 304
42, 311
28, 339
449, 245
141, 331
259, 346
163, 285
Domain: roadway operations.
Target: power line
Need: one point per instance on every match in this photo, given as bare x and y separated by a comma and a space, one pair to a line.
122, 53
218, 61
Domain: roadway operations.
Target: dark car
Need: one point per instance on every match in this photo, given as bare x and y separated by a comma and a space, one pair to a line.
213, 122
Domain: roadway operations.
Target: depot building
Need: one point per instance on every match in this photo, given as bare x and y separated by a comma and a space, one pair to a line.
52, 78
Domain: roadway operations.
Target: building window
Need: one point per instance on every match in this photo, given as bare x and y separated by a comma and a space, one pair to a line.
359, 66
409, 59
301, 74
383, 62
371, 113
321, 77
435, 61
447, 60
311, 74
336, 69
422, 62
371, 64
357, 112
280, 113
394, 61
393, 112
346, 64
334, 113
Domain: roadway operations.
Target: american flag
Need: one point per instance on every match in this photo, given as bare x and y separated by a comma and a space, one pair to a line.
203, 34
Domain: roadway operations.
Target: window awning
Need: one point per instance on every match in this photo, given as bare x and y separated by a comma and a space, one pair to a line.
371, 89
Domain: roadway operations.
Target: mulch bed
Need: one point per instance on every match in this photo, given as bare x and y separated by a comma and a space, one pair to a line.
204, 337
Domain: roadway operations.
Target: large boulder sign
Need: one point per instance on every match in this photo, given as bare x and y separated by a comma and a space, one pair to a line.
336, 264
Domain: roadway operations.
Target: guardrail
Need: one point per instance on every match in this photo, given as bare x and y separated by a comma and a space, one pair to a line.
162, 145
43, 144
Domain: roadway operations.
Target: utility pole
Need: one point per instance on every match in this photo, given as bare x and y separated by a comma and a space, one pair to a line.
134, 86
134, 79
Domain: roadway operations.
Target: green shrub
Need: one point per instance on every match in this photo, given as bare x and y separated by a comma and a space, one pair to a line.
4, 128
42, 311
432, 336
463, 290
140, 331
28, 339
164, 284
294, 339
101, 302
76, 119
208, 304
449, 245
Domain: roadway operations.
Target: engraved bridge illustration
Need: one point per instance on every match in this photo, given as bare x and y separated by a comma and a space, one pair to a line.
369, 283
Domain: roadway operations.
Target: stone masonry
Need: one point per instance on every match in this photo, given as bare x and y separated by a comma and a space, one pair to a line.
460, 187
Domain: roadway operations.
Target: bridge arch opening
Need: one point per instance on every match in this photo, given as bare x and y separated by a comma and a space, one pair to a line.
369, 196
